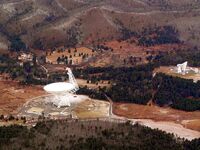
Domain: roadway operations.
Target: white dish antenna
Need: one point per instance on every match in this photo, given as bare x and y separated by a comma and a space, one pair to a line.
59, 87
63, 91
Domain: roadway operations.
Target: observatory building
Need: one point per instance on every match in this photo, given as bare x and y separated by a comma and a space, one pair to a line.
63, 92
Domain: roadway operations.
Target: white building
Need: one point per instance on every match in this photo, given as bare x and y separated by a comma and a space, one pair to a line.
25, 57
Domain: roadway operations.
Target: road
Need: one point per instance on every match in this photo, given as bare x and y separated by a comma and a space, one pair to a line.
169, 127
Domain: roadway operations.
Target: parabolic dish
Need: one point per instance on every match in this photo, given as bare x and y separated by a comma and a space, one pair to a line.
59, 87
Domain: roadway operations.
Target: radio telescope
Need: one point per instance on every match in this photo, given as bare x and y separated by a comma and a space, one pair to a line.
182, 68
63, 92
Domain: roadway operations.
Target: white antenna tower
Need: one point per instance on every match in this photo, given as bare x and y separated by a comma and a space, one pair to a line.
63, 91
72, 80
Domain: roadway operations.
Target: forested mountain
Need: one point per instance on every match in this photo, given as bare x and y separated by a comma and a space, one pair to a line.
51, 23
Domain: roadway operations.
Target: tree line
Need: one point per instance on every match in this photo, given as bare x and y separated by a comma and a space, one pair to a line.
137, 85
177, 92
93, 135
150, 36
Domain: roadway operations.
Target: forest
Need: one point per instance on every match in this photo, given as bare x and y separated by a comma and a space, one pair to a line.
150, 36
176, 92
137, 85
128, 84
94, 135
17, 44
192, 55
158, 35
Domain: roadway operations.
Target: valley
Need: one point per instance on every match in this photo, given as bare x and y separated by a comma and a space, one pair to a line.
150, 115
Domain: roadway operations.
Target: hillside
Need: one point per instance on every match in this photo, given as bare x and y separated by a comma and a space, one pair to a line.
52, 22
94, 135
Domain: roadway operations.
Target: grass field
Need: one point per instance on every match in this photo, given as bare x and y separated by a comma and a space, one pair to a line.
187, 119
13, 95
168, 70
77, 56
92, 109
192, 124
